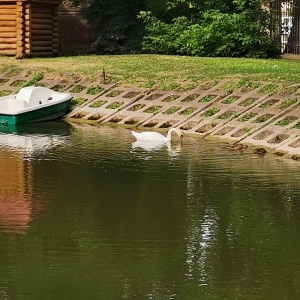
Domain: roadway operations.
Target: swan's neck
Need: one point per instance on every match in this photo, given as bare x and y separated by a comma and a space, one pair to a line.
169, 135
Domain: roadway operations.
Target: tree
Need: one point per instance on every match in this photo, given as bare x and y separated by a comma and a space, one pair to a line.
195, 27
119, 30
221, 28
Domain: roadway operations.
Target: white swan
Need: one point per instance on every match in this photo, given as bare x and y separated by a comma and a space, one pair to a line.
150, 145
155, 136
155, 146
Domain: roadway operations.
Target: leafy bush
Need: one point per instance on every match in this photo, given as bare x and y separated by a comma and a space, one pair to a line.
162, 38
237, 28
119, 30
217, 34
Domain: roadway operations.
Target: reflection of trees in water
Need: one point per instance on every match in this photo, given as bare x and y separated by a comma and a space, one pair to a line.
202, 233
239, 223
200, 249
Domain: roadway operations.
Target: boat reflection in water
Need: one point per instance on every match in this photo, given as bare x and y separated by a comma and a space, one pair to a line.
18, 147
31, 139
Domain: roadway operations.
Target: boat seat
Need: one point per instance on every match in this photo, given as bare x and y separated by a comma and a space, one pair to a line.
33, 96
16, 104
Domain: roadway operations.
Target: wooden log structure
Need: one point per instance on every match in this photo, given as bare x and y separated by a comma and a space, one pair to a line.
29, 28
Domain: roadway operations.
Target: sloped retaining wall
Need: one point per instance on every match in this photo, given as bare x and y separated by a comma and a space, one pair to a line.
248, 114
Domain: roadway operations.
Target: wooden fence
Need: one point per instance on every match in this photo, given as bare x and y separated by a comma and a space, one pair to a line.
75, 33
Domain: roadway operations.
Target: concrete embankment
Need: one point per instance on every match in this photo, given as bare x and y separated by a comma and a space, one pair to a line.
255, 114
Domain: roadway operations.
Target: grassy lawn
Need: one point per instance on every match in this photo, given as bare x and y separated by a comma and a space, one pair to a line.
160, 71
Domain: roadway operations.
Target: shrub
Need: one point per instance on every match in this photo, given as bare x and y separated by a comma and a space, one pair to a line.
216, 34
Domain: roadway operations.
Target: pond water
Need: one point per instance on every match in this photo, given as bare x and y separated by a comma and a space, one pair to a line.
87, 214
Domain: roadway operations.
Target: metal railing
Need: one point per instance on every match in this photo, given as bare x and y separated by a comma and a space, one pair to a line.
289, 27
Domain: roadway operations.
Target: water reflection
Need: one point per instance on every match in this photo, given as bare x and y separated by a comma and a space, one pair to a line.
33, 139
16, 188
18, 146
152, 146
106, 223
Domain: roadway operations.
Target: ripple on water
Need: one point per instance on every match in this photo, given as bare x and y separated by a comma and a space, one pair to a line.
98, 211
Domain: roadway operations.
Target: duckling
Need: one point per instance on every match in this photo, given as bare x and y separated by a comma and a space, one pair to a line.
260, 151
238, 147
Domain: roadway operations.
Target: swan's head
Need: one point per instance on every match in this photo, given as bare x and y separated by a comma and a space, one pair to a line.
179, 133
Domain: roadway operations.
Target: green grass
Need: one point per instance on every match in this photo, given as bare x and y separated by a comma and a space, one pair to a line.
206, 99
115, 105
247, 117
287, 103
172, 110
297, 126
247, 102
153, 109
267, 104
4, 93
18, 83
163, 71
98, 103
211, 111
229, 100
93, 90
77, 88
78, 101
188, 111
261, 119
284, 122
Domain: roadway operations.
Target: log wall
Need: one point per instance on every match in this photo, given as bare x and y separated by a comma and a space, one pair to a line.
8, 28
29, 28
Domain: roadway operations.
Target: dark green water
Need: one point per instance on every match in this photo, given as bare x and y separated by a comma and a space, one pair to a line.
84, 215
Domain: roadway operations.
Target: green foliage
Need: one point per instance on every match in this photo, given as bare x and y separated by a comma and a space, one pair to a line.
78, 101
188, 111
115, 105
34, 81
18, 83
286, 103
206, 99
284, 122
161, 38
172, 110
93, 90
119, 30
247, 117
211, 111
216, 34
216, 28
77, 88
229, 100
98, 103
153, 109
4, 93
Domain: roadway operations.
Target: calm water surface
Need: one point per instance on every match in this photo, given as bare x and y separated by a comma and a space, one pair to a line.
87, 214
